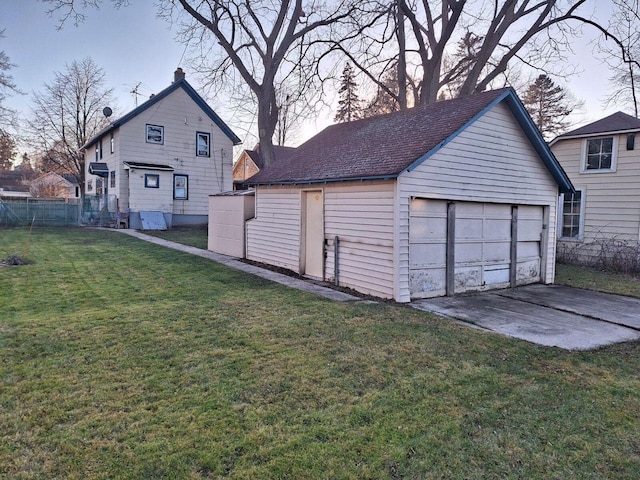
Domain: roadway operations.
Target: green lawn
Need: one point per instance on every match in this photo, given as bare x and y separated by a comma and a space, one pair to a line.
121, 359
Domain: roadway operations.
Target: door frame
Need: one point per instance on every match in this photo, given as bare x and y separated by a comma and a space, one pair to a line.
303, 230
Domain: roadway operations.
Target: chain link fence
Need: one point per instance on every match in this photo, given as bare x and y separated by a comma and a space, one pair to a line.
57, 212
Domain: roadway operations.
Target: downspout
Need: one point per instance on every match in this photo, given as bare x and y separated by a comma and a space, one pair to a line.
336, 260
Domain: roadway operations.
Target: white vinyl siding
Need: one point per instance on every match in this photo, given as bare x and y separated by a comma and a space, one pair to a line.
181, 118
361, 215
490, 161
612, 199
273, 236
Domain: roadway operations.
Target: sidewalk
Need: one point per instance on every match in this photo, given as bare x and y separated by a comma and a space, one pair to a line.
235, 263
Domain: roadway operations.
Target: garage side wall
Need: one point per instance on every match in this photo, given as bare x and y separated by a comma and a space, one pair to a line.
490, 161
361, 216
273, 236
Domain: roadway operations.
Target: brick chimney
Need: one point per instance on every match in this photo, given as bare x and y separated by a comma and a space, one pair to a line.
178, 75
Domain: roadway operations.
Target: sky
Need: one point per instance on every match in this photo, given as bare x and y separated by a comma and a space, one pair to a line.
135, 48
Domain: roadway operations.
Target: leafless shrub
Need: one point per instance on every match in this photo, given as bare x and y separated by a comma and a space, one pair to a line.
610, 254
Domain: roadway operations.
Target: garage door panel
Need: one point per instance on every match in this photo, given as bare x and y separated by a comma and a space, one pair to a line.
428, 254
468, 228
482, 246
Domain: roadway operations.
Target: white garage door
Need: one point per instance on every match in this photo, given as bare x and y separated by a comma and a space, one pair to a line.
482, 246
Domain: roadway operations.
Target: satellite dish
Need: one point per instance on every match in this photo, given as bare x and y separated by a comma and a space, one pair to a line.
107, 112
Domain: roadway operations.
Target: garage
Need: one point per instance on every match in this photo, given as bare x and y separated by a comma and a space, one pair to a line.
458, 246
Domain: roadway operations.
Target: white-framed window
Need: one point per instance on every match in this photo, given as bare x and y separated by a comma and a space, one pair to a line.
155, 134
572, 215
151, 180
203, 144
600, 154
181, 187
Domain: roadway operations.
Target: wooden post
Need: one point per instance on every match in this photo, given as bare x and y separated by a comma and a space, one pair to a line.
513, 270
451, 245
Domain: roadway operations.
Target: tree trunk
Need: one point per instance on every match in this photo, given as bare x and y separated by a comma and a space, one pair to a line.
267, 122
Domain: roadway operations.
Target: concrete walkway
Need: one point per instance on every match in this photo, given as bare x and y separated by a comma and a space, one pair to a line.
233, 262
552, 315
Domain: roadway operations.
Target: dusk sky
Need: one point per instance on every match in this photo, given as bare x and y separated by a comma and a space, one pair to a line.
134, 47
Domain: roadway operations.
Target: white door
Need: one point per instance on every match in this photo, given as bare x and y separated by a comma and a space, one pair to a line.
479, 247
313, 234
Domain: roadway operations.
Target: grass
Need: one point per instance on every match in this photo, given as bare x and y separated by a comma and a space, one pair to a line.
594, 279
121, 359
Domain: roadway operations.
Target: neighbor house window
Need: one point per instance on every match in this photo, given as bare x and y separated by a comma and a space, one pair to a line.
99, 184
112, 178
151, 180
181, 187
89, 185
572, 215
600, 154
203, 143
112, 143
155, 134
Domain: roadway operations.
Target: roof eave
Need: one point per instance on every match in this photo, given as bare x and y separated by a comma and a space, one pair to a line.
189, 90
320, 181
591, 135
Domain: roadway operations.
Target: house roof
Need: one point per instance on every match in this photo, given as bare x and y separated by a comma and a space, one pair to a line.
386, 146
279, 151
618, 122
182, 83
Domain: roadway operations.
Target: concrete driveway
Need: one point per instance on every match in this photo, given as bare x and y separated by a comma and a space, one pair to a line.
551, 315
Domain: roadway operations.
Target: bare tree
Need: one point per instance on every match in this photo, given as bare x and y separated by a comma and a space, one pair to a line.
7, 87
492, 36
67, 113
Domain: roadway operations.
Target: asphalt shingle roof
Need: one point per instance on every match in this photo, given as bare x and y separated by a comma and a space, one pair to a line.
616, 122
376, 147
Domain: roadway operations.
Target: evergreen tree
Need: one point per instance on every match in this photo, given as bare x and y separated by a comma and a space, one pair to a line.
549, 105
349, 105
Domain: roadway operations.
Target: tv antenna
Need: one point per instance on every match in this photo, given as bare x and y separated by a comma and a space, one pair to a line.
136, 93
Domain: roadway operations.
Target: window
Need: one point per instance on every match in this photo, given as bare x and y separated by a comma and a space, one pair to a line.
89, 185
112, 143
151, 180
181, 187
600, 153
203, 141
112, 178
155, 134
99, 184
572, 212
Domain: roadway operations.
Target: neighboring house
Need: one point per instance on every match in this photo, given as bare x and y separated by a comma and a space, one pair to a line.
456, 196
167, 155
250, 162
14, 184
602, 160
53, 185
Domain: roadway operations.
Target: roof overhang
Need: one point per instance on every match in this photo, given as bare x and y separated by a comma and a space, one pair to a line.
147, 166
321, 181
591, 135
99, 169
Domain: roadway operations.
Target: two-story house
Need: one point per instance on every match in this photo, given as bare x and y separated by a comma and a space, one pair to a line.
602, 159
167, 155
